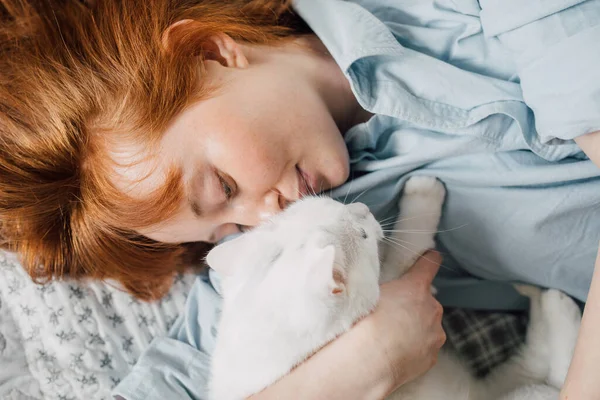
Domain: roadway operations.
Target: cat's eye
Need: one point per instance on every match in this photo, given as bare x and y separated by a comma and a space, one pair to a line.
363, 233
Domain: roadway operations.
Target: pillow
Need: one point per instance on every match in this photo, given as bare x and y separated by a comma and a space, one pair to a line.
73, 340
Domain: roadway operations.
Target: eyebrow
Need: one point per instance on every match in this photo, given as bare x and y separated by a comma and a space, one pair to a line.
192, 197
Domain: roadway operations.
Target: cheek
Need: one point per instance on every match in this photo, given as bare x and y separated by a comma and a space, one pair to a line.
224, 230
183, 227
254, 159
328, 149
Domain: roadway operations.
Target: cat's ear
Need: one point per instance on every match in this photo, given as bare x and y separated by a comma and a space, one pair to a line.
329, 273
225, 257
338, 283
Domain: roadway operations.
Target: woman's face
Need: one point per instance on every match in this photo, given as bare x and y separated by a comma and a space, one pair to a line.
266, 137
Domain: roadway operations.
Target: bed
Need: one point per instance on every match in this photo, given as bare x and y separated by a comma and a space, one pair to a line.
76, 341
70, 340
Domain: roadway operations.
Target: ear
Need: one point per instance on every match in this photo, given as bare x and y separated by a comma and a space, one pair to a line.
168, 39
219, 47
225, 50
327, 271
226, 257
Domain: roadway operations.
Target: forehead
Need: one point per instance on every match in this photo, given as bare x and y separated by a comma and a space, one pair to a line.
147, 182
138, 170
141, 166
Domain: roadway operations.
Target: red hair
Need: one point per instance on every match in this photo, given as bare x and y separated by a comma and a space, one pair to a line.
74, 76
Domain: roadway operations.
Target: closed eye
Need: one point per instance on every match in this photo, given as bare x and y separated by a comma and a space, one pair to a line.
363, 233
227, 187
276, 255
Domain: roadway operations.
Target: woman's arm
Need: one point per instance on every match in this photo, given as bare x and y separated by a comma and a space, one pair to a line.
341, 370
582, 382
590, 144
397, 343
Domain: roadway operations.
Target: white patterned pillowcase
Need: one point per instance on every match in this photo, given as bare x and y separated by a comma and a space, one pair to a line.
76, 340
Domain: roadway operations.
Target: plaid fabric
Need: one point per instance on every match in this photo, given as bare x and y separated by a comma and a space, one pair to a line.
484, 339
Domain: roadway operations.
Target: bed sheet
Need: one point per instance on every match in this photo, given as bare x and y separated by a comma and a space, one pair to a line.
73, 340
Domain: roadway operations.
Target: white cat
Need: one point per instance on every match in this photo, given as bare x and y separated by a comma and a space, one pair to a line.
300, 280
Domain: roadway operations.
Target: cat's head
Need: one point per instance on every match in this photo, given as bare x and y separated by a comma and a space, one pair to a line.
318, 255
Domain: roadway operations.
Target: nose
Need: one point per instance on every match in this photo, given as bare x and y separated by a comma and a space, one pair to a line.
358, 209
261, 208
272, 203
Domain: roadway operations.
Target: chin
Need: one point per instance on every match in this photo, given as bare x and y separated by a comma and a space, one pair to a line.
337, 170
339, 176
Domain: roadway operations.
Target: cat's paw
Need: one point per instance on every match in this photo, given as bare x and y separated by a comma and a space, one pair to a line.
426, 186
420, 211
560, 309
533, 392
421, 202
563, 317
527, 290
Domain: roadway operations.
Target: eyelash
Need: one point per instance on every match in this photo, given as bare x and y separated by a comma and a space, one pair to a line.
226, 188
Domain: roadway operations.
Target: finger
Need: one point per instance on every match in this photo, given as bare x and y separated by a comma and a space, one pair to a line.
426, 267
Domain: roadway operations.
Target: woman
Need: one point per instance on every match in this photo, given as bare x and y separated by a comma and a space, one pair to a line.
128, 131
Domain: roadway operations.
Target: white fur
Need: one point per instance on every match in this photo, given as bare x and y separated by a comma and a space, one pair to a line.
292, 285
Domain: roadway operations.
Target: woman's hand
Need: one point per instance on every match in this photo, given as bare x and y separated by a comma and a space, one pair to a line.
407, 323
395, 344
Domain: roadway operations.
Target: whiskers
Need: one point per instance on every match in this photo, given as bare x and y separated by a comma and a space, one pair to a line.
360, 195
348, 192
387, 222
392, 220
403, 244
422, 230
312, 192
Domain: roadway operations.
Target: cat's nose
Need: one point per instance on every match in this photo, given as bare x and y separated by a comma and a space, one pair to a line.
359, 209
